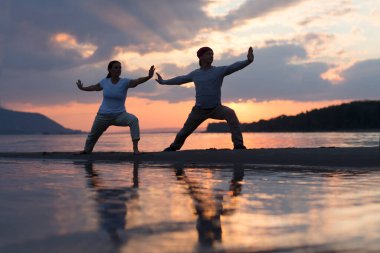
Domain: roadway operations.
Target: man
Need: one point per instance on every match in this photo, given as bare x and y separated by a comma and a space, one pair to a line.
208, 81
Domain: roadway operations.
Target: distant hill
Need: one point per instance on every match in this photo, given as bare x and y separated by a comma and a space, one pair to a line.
12, 122
354, 116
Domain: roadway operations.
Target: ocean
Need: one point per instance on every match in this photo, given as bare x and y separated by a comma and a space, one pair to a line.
121, 142
84, 206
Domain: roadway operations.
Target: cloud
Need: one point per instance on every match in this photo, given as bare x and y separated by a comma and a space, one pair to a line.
45, 46
361, 81
337, 9
273, 75
256, 8
32, 27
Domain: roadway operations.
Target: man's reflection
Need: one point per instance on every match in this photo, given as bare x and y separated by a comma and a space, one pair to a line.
112, 202
209, 206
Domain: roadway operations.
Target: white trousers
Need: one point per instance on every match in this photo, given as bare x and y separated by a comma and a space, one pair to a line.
103, 121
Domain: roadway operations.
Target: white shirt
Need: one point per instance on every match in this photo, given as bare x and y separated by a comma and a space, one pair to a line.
114, 96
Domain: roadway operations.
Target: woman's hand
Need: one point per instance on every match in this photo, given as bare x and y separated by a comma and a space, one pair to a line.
95, 87
250, 56
151, 71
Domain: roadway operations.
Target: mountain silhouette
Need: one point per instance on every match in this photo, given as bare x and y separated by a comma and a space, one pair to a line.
354, 116
13, 122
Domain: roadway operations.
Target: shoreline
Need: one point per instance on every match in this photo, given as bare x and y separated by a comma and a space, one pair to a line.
329, 156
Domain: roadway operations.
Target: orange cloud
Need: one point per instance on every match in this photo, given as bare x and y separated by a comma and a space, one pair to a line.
334, 75
66, 41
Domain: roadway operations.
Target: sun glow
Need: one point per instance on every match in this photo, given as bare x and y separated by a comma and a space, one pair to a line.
162, 114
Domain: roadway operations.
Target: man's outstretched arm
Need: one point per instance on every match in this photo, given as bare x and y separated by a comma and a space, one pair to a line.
174, 81
240, 64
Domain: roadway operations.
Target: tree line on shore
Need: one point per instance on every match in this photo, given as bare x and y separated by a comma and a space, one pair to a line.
353, 116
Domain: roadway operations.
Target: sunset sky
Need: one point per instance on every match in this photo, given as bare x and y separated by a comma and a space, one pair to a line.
308, 54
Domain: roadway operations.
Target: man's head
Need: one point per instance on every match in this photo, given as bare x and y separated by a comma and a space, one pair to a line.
205, 55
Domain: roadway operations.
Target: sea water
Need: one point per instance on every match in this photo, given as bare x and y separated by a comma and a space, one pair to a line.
80, 206
158, 141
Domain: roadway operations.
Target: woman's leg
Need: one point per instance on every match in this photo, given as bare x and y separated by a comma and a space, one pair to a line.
128, 119
101, 123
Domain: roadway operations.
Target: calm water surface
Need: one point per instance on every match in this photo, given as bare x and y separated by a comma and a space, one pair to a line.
159, 141
63, 206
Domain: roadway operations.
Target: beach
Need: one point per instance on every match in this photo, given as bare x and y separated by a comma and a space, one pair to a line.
330, 156
199, 200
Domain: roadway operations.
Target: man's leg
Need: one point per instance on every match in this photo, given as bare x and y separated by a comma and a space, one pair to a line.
195, 118
225, 113
101, 123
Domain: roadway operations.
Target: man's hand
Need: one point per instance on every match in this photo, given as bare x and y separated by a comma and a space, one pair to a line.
151, 71
250, 56
80, 84
159, 78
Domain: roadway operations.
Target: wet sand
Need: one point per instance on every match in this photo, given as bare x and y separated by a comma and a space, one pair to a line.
335, 157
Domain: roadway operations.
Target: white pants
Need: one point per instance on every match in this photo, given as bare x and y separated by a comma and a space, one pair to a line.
103, 121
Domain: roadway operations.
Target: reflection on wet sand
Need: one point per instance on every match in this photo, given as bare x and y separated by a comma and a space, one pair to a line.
124, 207
112, 202
210, 205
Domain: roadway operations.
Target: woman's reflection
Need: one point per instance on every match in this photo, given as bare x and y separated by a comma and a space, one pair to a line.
209, 205
112, 202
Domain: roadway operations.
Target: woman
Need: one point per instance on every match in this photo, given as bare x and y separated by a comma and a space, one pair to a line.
112, 110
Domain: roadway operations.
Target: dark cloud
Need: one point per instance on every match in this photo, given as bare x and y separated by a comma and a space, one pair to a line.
140, 25
58, 87
143, 25
34, 70
271, 76
361, 81
274, 76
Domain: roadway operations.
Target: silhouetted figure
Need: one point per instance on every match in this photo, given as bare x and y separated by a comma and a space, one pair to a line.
209, 206
112, 111
112, 203
208, 83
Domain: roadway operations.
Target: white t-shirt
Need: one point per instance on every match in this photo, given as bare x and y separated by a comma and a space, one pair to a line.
114, 96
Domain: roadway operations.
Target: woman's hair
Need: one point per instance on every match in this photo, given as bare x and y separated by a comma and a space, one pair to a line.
110, 66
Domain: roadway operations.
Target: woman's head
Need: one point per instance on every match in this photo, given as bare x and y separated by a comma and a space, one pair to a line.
114, 69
